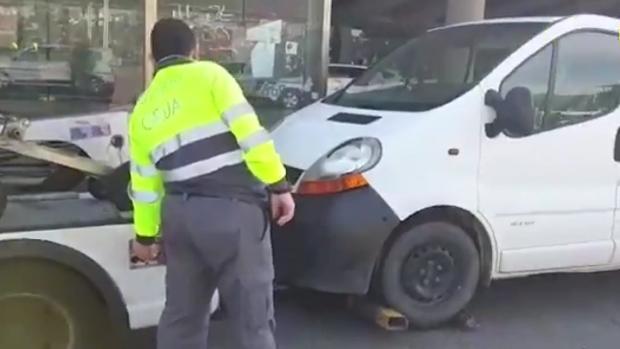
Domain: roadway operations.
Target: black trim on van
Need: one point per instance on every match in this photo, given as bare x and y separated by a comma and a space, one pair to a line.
334, 242
358, 119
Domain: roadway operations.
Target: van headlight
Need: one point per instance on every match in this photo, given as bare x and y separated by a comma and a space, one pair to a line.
342, 169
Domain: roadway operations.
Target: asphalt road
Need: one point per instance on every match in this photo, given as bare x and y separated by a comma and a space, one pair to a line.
554, 311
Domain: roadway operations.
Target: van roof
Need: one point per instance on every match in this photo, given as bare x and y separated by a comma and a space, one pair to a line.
532, 19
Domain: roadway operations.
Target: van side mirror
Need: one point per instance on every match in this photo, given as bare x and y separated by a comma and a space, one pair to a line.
515, 113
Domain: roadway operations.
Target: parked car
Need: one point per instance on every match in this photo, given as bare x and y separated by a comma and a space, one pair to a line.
293, 93
340, 75
48, 69
475, 152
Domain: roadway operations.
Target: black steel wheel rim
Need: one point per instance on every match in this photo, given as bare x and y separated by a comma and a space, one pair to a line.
429, 274
291, 100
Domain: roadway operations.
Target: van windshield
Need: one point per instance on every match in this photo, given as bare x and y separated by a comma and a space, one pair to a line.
436, 67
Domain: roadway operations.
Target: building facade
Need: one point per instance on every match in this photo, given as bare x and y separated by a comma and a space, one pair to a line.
60, 57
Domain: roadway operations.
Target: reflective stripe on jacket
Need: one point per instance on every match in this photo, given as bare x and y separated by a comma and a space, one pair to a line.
193, 131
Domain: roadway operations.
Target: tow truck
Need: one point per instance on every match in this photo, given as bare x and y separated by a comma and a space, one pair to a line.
68, 279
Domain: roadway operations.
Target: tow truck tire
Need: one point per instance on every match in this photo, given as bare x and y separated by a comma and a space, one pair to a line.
113, 188
43, 305
116, 187
430, 273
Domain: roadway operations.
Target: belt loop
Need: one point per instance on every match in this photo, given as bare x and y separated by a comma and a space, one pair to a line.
185, 196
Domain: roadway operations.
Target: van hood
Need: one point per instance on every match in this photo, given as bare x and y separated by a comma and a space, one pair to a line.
310, 133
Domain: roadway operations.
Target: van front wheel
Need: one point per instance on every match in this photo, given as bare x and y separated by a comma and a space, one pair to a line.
431, 273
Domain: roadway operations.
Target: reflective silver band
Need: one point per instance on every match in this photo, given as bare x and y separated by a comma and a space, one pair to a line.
253, 140
186, 138
235, 112
204, 167
144, 171
144, 197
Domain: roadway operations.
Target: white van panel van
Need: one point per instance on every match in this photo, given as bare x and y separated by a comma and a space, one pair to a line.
475, 152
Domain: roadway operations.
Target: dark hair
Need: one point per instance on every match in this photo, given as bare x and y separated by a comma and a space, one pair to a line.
171, 37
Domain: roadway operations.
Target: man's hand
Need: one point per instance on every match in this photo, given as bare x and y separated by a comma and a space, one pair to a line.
146, 253
282, 208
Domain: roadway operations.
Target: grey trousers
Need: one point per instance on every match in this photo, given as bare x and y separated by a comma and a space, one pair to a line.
216, 243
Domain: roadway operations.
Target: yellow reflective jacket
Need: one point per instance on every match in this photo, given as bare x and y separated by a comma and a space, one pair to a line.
193, 132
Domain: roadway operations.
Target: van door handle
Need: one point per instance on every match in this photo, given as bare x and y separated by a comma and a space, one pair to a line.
617, 146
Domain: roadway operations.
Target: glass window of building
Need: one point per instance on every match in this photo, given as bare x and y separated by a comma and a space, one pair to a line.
263, 43
66, 57
61, 58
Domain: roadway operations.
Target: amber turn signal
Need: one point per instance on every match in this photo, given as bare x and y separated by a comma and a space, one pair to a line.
332, 186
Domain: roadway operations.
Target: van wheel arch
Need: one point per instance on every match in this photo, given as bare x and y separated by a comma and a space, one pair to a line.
72, 260
449, 214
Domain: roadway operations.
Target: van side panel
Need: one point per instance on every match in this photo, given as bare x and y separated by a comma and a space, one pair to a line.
547, 215
432, 161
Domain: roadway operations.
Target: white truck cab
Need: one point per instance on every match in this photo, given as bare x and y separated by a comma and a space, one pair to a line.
474, 152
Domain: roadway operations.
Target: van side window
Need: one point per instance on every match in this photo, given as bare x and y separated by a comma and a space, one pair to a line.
587, 79
533, 75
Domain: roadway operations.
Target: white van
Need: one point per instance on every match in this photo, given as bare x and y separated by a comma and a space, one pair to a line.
475, 152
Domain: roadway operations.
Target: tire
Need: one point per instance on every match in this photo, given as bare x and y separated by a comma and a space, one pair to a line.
43, 305
113, 188
95, 86
95, 188
274, 92
291, 99
3, 200
430, 273
5, 80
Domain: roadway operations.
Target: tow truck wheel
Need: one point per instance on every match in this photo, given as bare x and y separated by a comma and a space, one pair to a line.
431, 273
47, 306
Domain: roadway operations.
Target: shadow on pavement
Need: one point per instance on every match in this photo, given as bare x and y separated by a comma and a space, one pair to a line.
553, 311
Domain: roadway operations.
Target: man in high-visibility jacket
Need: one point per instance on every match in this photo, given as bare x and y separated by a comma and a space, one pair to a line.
201, 161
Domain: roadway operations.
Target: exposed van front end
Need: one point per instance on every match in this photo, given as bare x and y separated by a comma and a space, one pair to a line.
387, 175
